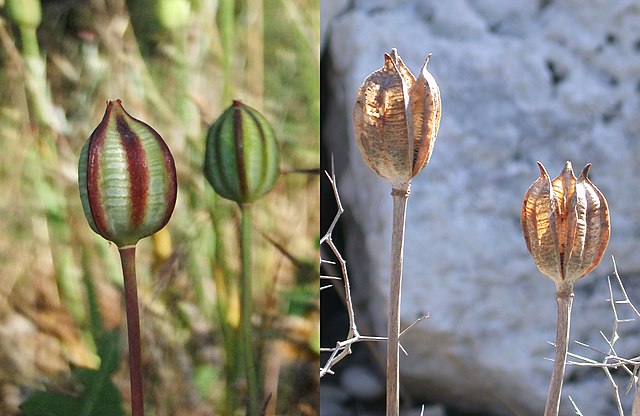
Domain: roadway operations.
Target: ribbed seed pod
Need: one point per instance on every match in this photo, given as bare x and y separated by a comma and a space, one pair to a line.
127, 178
396, 118
565, 223
242, 159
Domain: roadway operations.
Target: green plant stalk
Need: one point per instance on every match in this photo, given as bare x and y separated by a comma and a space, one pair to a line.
255, 51
44, 159
187, 110
62, 258
36, 80
229, 333
226, 29
246, 311
29, 41
232, 358
128, 259
564, 298
95, 316
400, 196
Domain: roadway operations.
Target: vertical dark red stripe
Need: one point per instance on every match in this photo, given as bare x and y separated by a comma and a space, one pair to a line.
137, 170
96, 142
171, 191
239, 139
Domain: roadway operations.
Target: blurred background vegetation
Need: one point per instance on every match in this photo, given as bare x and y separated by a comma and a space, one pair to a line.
176, 64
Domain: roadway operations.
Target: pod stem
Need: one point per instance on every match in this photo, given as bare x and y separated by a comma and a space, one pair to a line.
29, 41
128, 259
245, 312
564, 298
400, 195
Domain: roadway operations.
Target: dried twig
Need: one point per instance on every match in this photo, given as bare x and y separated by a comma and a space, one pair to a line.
343, 348
610, 358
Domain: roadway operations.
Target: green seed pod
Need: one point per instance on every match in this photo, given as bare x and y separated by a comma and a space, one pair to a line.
127, 178
24, 12
242, 157
173, 14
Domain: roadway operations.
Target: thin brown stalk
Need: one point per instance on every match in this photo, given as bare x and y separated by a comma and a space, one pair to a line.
400, 196
128, 259
635, 410
564, 298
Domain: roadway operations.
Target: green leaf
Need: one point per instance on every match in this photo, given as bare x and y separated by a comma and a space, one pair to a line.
45, 403
301, 299
204, 378
98, 397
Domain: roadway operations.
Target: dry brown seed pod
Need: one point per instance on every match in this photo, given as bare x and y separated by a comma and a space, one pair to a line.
396, 118
565, 222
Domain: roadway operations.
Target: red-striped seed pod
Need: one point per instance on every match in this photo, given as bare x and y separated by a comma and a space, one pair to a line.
242, 159
127, 178
565, 222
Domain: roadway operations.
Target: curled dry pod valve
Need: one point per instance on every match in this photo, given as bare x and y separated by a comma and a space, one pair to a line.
396, 118
565, 222
242, 159
127, 178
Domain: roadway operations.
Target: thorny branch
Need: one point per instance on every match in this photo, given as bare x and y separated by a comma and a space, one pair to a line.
610, 358
343, 348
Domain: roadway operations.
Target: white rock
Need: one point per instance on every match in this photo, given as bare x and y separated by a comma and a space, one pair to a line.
518, 84
329, 9
361, 383
332, 399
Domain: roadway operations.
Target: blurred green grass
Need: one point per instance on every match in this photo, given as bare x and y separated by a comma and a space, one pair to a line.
178, 81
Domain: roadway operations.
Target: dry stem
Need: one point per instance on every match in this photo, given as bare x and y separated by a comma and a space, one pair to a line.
400, 196
343, 348
564, 298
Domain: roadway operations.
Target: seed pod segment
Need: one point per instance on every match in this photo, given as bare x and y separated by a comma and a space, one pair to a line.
242, 159
565, 222
396, 118
127, 178
426, 108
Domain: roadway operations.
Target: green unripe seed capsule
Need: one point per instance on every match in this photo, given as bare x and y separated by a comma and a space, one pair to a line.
24, 12
242, 159
127, 178
173, 14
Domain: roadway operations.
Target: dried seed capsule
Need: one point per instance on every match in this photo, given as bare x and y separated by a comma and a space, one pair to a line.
242, 159
127, 178
396, 118
565, 223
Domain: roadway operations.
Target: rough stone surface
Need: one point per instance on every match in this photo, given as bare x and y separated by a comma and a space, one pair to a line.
520, 81
361, 383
